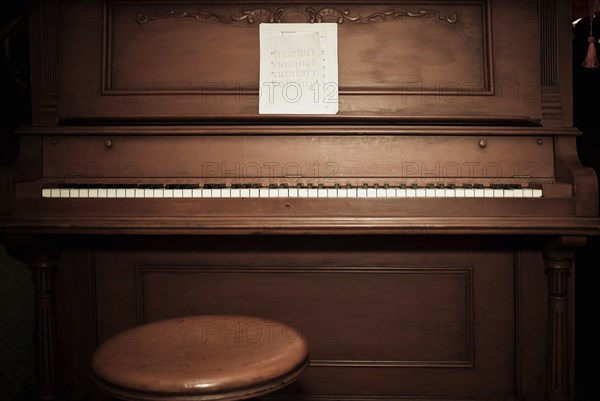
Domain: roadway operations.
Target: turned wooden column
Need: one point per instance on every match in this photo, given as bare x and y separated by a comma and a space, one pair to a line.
41, 257
42, 261
559, 256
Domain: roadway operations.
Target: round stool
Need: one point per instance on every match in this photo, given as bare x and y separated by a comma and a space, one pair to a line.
207, 357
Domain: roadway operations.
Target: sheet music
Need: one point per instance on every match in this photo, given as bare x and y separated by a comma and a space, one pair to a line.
298, 69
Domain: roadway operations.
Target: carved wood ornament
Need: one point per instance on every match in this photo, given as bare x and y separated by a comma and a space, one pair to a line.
311, 15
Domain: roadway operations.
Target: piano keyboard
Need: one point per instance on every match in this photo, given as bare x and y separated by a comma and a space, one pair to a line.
283, 191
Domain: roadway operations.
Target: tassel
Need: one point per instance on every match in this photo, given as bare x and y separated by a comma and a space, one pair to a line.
591, 61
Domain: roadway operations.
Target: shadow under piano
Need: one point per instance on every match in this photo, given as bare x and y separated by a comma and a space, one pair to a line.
422, 238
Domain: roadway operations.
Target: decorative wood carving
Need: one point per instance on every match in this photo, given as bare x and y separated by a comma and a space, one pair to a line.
277, 15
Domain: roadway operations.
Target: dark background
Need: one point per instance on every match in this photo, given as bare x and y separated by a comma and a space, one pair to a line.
16, 290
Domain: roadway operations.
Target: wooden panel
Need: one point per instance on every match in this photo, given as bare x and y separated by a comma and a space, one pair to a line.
400, 316
340, 327
414, 63
302, 157
470, 60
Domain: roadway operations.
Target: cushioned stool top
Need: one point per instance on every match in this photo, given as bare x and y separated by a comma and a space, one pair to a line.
200, 355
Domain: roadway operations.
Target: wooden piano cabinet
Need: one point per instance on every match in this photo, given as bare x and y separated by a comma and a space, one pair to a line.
387, 317
431, 298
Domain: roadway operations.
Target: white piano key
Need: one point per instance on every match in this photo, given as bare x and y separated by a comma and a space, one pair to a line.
273, 192
381, 193
65, 193
139, 193
196, 193
440, 193
148, 193
215, 192
518, 193
225, 192
263, 192
177, 193
391, 192
293, 192
342, 193
254, 192
371, 193
420, 192
245, 192
401, 193
55, 193
313, 193
46, 192
459, 192
509, 193
284, 193
121, 192
469, 193
93, 193
159, 193
111, 193
537, 193
430, 192
321, 193
73, 193
332, 192
84, 193
303, 192
488, 193
168, 193
479, 193
498, 193
361, 193
236, 193
102, 193
449, 193
412, 193
352, 192
527, 192
187, 193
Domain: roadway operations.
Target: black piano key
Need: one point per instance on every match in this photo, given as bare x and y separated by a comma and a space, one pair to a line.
283, 186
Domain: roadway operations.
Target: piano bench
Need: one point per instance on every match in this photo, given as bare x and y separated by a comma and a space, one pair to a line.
205, 357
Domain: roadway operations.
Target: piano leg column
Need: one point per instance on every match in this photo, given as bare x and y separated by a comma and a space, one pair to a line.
42, 262
558, 261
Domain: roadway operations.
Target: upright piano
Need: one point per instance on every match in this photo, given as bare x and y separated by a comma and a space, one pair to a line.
422, 239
